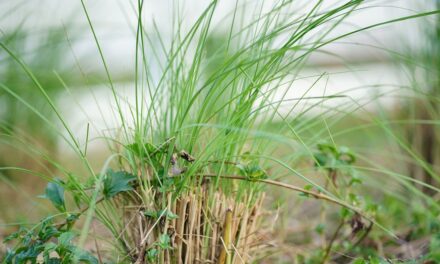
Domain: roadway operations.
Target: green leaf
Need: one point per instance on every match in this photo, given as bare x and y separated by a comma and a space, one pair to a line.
152, 255
246, 157
85, 256
434, 248
53, 261
355, 180
320, 228
170, 215
344, 212
164, 242
66, 238
152, 214
116, 182
242, 168
165, 213
345, 155
371, 208
359, 261
47, 231
320, 159
50, 246
328, 149
48, 249
354, 199
307, 187
30, 253
70, 220
252, 172
14, 235
10, 255
55, 193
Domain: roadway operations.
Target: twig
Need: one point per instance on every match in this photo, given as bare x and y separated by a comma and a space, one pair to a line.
355, 244
333, 239
315, 195
364, 235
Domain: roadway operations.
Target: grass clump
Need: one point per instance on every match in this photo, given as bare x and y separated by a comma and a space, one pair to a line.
185, 181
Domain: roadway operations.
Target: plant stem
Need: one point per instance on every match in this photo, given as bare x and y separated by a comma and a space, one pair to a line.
224, 255
315, 195
333, 239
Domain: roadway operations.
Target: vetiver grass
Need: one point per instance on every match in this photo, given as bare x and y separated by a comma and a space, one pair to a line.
189, 165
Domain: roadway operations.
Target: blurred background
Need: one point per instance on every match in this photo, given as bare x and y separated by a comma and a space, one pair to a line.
379, 69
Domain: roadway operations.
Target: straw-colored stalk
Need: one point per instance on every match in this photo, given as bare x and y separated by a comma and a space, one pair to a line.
211, 228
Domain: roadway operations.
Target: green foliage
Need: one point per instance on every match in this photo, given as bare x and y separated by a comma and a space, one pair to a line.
164, 242
434, 248
152, 254
47, 52
338, 160
55, 193
67, 252
42, 242
307, 187
167, 214
320, 228
331, 157
252, 171
143, 151
117, 182
371, 260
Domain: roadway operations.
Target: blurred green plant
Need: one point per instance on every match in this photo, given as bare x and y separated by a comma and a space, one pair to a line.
45, 53
422, 108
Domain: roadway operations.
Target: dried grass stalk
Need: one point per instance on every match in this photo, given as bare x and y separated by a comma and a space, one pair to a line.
210, 228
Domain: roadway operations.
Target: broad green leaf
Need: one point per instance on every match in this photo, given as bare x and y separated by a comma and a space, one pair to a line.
116, 182
84, 256
50, 246
65, 239
48, 249
25, 254
164, 242
55, 193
